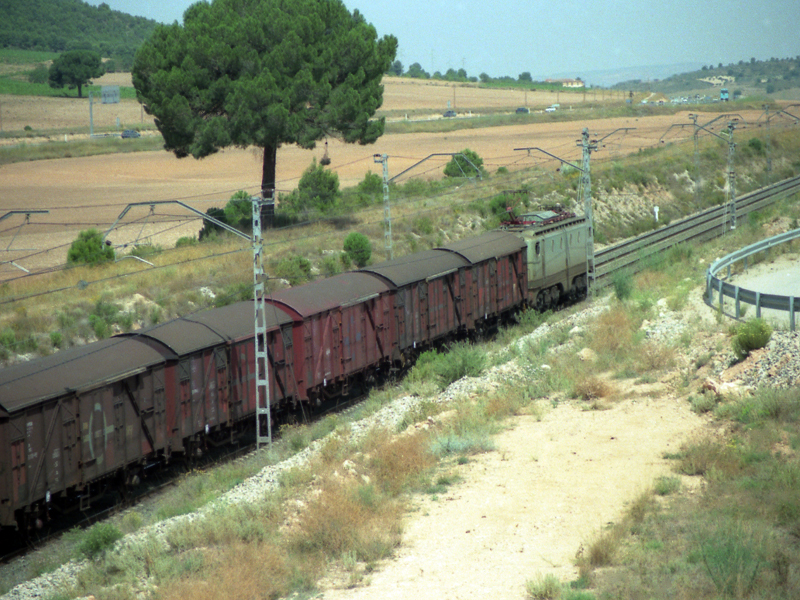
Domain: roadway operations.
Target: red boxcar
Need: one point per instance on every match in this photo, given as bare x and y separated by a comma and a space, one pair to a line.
75, 417
496, 282
235, 323
342, 330
429, 288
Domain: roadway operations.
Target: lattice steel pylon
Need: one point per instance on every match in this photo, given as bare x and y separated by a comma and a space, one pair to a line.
387, 207
261, 351
588, 146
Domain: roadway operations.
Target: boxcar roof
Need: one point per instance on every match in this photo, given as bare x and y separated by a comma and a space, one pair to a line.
417, 267
326, 294
183, 336
489, 245
237, 321
80, 368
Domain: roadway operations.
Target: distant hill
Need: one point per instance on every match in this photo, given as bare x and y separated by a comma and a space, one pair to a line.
58, 25
609, 77
766, 77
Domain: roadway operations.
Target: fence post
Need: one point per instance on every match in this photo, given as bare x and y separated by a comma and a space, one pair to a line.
758, 305
736, 300
791, 313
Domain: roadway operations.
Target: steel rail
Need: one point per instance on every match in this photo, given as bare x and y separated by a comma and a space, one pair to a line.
699, 227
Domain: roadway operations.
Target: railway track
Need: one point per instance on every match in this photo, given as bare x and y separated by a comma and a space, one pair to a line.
699, 227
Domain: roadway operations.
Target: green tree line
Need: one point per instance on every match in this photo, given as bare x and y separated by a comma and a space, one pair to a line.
61, 25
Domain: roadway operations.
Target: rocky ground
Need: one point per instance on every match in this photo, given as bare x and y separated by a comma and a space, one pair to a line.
559, 474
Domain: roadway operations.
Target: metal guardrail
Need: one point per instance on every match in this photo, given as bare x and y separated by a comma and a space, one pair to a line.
699, 227
715, 286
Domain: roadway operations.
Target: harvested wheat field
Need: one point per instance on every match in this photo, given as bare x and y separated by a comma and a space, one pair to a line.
92, 191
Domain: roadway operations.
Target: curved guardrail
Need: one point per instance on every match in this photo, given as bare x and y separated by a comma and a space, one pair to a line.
715, 286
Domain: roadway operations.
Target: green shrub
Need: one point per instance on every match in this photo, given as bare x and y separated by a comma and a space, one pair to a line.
97, 539
146, 250
239, 211
423, 226
318, 188
371, 184
89, 249
733, 556
443, 368
544, 587
330, 266
39, 75
465, 164
358, 248
210, 230
186, 241
56, 339
749, 336
665, 486
622, 282
296, 269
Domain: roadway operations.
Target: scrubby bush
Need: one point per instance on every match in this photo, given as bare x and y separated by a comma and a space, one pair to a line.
146, 250
330, 266
98, 538
239, 211
89, 249
371, 184
465, 164
186, 241
358, 248
211, 230
318, 187
443, 368
622, 282
39, 74
749, 336
295, 270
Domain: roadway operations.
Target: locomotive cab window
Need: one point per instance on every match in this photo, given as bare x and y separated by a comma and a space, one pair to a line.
538, 248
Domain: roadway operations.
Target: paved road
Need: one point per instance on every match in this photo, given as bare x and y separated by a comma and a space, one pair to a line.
780, 276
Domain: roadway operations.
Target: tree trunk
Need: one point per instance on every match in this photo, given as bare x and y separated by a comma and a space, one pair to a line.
79, 91
268, 184
268, 171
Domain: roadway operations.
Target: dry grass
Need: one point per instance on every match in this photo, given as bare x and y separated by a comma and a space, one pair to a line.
348, 516
593, 387
242, 572
398, 464
709, 456
611, 334
603, 549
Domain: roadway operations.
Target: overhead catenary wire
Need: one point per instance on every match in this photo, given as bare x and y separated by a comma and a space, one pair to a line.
503, 161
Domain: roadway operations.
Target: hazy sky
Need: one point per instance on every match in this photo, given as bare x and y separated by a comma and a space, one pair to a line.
562, 37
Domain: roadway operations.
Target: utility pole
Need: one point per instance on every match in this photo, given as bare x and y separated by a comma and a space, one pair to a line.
387, 208
263, 412
731, 174
769, 158
588, 146
693, 117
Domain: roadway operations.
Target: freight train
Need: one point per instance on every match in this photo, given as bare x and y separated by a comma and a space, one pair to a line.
102, 415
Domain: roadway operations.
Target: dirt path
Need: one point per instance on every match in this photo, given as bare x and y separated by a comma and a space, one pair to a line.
527, 507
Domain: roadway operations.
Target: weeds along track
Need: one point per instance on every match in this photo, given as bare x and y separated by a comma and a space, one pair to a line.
699, 227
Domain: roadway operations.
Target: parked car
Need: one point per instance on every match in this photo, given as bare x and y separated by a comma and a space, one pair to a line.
449, 113
523, 110
550, 109
130, 133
